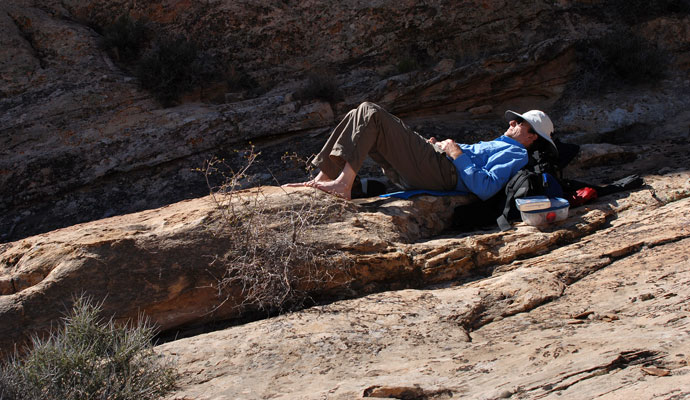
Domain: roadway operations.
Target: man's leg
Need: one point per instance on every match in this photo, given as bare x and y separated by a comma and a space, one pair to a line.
406, 157
370, 130
340, 186
328, 169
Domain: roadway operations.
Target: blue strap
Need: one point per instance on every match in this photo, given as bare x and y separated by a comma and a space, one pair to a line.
551, 186
409, 193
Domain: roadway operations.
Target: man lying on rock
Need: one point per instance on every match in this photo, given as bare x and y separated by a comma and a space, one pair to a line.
412, 162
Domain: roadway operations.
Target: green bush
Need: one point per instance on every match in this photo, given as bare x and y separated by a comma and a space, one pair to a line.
620, 58
633, 59
169, 69
407, 64
172, 67
125, 38
320, 85
88, 358
242, 81
636, 11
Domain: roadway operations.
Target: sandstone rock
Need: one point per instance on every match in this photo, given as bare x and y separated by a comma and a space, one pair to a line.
177, 244
505, 335
160, 262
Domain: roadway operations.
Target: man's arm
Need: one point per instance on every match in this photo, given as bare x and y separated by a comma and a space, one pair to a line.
487, 180
449, 147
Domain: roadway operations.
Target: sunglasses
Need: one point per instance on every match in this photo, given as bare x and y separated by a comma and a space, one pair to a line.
519, 120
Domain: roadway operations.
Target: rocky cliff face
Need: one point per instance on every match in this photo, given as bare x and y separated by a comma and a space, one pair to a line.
593, 306
81, 139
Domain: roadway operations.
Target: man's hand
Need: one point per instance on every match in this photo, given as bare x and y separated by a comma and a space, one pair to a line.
449, 147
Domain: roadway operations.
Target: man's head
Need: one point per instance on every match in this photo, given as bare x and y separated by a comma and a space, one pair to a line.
527, 128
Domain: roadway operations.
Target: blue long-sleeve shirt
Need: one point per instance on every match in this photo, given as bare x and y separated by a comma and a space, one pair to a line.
485, 167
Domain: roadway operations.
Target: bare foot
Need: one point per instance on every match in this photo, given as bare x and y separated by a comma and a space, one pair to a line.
336, 187
341, 186
321, 177
298, 184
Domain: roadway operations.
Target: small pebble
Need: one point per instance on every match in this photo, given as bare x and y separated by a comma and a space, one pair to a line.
583, 315
656, 371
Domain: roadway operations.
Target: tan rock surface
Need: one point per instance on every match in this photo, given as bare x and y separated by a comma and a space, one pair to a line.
160, 262
605, 316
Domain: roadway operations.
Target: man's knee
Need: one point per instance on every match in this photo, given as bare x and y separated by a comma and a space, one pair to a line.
369, 107
368, 111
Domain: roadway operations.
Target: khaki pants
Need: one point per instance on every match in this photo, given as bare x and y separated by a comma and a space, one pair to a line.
407, 159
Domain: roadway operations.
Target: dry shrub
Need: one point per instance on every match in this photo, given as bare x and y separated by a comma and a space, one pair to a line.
270, 258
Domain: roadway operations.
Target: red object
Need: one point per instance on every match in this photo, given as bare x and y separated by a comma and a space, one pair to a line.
582, 196
550, 216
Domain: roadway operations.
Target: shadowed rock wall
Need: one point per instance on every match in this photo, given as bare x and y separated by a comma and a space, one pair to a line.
81, 140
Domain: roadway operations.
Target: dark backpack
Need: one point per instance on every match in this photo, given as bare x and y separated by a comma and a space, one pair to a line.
538, 177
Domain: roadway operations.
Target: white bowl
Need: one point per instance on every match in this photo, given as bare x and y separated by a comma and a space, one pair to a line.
557, 212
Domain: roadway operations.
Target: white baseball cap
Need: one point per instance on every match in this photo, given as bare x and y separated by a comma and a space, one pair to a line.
540, 122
